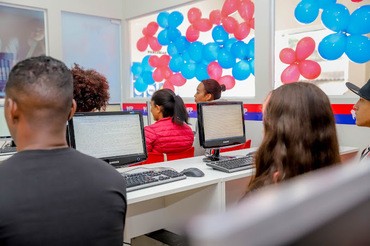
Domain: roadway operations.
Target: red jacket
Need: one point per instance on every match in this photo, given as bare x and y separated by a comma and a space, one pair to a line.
164, 136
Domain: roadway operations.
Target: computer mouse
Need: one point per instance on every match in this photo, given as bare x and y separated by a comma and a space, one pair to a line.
192, 172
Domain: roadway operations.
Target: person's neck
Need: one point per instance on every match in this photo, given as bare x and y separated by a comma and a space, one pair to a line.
41, 141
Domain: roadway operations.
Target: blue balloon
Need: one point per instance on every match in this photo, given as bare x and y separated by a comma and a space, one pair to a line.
359, 22
240, 50
201, 72
229, 43
175, 19
148, 77
173, 34
251, 63
162, 19
182, 44
140, 86
176, 63
241, 70
172, 50
306, 11
186, 57
188, 71
136, 69
163, 37
335, 17
225, 59
332, 46
358, 48
219, 35
325, 3
251, 49
210, 52
195, 51
145, 64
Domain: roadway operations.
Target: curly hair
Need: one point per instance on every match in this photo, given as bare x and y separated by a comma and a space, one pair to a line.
90, 89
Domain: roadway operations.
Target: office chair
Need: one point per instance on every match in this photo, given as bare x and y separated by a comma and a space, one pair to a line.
245, 145
154, 157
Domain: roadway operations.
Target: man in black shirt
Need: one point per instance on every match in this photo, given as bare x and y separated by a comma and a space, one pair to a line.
51, 194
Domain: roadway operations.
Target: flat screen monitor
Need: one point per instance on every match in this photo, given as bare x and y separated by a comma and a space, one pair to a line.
4, 131
115, 137
220, 125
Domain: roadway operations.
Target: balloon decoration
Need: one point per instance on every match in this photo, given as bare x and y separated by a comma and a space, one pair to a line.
189, 58
298, 65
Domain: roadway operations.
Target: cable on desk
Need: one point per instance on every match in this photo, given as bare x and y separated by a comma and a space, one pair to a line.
124, 243
149, 168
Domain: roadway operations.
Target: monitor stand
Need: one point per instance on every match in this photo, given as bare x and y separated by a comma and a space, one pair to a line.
216, 156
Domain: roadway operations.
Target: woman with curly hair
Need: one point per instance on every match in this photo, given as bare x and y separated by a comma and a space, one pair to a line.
90, 89
299, 134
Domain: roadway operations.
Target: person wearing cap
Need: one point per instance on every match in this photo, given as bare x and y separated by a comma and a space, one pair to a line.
362, 110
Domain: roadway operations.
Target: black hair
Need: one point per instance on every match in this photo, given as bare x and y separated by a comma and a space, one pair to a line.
171, 105
44, 78
211, 86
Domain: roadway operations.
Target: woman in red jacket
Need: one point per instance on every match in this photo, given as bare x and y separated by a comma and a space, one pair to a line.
168, 134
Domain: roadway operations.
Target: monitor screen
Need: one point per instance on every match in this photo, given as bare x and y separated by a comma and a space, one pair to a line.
115, 137
4, 131
221, 124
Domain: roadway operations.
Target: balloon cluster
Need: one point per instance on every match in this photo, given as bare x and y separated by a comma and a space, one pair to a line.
148, 39
349, 33
189, 58
298, 63
143, 74
349, 28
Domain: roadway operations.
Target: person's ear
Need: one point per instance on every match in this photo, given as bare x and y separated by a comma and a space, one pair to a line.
158, 108
13, 110
73, 109
275, 177
209, 97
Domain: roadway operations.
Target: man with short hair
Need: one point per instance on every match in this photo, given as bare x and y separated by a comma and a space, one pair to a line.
51, 194
362, 109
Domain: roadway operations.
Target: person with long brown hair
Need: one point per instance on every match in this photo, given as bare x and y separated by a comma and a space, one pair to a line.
299, 134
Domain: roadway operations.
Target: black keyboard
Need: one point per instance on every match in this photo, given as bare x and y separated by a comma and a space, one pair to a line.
140, 180
233, 164
8, 150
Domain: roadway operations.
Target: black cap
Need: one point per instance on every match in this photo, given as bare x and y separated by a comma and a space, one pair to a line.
363, 92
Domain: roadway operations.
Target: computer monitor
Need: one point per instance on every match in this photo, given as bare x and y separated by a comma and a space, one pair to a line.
4, 131
220, 125
150, 119
329, 206
115, 137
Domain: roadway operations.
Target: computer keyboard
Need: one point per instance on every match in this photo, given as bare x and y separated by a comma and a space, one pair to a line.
233, 164
140, 180
8, 150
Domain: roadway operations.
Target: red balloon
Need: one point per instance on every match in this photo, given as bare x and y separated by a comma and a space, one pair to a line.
309, 69
305, 47
192, 34
142, 44
251, 23
157, 75
242, 31
356, 1
214, 70
153, 61
177, 79
203, 25
230, 24
287, 56
152, 28
246, 9
194, 14
215, 17
290, 74
153, 43
230, 6
168, 85
228, 81
166, 72
145, 31
164, 61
